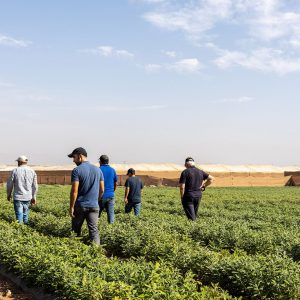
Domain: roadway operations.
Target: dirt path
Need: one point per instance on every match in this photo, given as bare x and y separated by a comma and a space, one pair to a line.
10, 291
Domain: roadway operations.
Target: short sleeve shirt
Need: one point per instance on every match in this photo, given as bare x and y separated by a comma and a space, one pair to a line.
110, 178
135, 185
193, 179
89, 177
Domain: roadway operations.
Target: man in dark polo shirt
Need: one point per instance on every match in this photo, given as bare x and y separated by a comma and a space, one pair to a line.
133, 193
192, 182
87, 189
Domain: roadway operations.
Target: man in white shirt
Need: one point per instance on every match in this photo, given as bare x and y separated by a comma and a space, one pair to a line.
22, 182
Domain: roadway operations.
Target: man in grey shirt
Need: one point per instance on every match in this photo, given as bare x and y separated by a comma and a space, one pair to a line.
22, 182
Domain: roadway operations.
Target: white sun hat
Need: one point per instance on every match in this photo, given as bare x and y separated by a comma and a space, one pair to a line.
22, 158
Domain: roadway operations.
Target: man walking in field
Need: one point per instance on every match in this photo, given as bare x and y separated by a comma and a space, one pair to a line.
133, 193
192, 182
107, 201
22, 181
87, 189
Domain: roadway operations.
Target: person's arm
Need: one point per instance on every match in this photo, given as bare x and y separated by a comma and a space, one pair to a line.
181, 188
101, 185
207, 182
73, 197
142, 186
9, 185
34, 189
127, 189
115, 181
182, 184
101, 189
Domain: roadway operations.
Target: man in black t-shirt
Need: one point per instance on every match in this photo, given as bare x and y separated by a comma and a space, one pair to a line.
133, 193
192, 182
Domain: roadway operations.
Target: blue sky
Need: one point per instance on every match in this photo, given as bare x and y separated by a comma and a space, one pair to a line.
151, 80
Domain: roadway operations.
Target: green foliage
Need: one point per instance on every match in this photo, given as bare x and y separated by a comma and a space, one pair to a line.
245, 243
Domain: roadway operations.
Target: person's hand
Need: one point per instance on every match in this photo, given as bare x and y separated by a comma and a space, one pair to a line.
203, 188
71, 212
126, 200
33, 201
9, 197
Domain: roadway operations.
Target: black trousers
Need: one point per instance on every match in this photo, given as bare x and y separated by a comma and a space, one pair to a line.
191, 206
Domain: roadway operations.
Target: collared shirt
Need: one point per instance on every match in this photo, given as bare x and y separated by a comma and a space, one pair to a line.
110, 178
89, 177
23, 182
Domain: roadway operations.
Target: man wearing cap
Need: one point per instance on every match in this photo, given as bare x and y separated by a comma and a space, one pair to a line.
107, 201
22, 181
192, 182
87, 189
133, 193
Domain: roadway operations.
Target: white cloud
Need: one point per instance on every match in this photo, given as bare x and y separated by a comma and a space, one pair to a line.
153, 67
193, 19
187, 65
12, 42
104, 50
171, 54
243, 99
266, 19
151, 1
151, 107
272, 26
272, 20
108, 51
262, 59
120, 108
295, 42
124, 53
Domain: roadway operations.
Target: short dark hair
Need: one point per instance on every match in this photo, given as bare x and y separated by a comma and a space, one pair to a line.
131, 171
104, 159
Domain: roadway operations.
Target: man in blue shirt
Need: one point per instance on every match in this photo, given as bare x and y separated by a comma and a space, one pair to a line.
107, 201
87, 189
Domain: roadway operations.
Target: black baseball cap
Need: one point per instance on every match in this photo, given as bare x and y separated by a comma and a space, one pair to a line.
131, 171
189, 159
78, 151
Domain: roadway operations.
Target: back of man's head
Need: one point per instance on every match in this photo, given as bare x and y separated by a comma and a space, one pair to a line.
189, 162
104, 159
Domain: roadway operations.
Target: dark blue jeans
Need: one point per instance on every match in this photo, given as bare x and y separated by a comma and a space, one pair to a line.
136, 207
90, 214
22, 210
108, 204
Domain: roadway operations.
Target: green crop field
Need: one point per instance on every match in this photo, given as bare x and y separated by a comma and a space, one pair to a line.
245, 244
